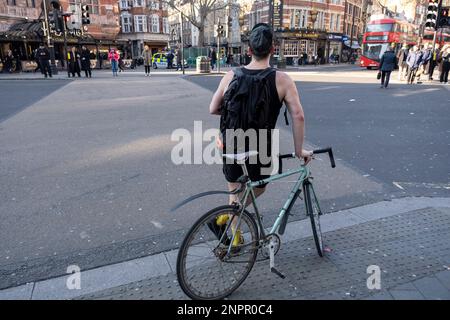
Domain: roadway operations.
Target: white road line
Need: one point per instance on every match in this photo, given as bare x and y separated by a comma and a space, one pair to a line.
397, 185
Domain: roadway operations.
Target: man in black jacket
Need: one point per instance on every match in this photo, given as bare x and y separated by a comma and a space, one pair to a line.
86, 61
43, 55
387, 64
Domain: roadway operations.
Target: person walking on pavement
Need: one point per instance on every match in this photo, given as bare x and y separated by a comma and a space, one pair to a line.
433, 62
413, 60
426, 56
444, 64
86, 61
387, 64
213, 58
147, 57
113, 57
73, 62
402, 65
179, 58
44, 60
170, 57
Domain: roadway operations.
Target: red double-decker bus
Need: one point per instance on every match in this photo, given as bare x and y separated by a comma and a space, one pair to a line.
382, 33
442, 37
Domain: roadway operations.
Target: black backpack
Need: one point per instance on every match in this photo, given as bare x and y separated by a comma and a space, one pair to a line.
246, 103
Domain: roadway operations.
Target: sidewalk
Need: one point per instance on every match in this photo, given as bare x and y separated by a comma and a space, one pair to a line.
105, 73
409, 239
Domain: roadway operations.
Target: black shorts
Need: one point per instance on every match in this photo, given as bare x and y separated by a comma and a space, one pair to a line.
234, 171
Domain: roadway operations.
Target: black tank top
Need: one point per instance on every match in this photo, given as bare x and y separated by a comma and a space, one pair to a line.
275, 103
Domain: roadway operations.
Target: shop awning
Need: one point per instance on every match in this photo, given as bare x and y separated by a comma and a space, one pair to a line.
25, 31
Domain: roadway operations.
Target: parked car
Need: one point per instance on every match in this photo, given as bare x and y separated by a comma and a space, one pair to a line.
159, 60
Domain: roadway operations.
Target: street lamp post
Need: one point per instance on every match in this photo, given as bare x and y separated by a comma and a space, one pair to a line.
314, 13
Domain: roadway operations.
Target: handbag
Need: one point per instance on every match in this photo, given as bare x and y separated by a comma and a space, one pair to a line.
379, 75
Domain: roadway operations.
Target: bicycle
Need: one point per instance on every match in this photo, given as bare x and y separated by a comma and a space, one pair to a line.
234, 244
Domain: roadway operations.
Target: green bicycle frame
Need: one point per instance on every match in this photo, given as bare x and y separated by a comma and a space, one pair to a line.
249, 191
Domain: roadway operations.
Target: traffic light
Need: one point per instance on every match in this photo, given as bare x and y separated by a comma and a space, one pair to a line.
432, 14
444, 19
220, 31
230, 22
55, 20
85, 14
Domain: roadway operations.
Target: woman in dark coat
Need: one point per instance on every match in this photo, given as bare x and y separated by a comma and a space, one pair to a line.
86, 61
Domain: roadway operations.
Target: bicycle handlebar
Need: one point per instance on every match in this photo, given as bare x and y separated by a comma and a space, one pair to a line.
328, 150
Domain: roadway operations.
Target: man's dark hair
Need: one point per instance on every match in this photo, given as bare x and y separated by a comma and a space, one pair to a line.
261, 40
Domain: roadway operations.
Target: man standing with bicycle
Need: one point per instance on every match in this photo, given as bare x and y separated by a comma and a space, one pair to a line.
281, 88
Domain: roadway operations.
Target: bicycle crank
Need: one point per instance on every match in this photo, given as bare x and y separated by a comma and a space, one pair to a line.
274, 246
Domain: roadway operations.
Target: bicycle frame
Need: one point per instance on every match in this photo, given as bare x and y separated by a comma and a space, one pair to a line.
249, 192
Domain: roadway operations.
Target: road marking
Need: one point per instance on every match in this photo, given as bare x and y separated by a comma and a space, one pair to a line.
426, 185
397, 185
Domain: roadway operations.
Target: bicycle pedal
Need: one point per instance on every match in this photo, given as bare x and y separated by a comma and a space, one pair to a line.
278, 273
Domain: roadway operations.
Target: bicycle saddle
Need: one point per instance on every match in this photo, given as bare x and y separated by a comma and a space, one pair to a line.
240, 157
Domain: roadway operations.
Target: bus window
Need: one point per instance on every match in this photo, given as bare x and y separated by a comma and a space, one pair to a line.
374, 51
386, 27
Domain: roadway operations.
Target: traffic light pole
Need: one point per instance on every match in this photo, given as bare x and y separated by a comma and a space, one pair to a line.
181, 43
218, 48
51, 48
435, 30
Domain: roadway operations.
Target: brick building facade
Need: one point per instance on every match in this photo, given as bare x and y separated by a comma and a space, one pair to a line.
143, 22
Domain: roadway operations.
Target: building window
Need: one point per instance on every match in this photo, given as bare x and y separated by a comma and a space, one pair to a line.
155, 23
154, 5
123, 4
164, 6
11, 2
138, 3
332, 19
291, 48
140, 23
165, 25
93, 6
304, 18
126, 24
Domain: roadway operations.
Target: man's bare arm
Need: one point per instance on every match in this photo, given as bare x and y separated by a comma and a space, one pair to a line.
216, 102
292, 101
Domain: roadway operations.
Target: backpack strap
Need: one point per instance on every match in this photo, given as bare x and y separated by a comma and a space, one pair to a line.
266, 72
238, 72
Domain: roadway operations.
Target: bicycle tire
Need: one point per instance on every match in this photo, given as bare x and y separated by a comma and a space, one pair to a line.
211, 241
314, 215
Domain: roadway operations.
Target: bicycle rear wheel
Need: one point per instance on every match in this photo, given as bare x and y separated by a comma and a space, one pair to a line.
313, 212
211, 264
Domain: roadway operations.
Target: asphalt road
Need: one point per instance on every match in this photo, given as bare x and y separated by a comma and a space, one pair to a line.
87, 177
15, 96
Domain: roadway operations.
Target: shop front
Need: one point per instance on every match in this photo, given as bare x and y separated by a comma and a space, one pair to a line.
334, 47
302, 47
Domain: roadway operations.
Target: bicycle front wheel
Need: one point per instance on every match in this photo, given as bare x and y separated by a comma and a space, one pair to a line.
217, 253
313, 212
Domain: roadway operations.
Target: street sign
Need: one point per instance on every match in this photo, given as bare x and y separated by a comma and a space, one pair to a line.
344, 38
